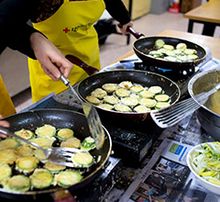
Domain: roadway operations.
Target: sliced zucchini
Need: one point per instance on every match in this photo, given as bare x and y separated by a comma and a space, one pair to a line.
19, 183
147, 94
106, 106
26, 164
68, 178
159, 43
182, 46
136, 88
53, 167
46, 131
125, 84
142, 109
110, 87
41, 178
111, 99
150, 103
161, 105
71, 142
99, 93
8, 143
155, 89
26, 134
7, 156
122, 108
122, 92
129, 101
88, 144
168, 47
43, 142
162, 98
39, 154
93, 100
24, 150
65, 133
82, 159
5, 172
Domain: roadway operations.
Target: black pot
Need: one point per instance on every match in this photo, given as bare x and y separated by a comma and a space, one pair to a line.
208, 114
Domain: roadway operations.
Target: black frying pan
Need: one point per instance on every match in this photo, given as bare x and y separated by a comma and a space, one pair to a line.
59, 119
143, 45
144, 78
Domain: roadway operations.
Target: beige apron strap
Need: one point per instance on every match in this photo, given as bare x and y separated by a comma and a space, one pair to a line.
6, 105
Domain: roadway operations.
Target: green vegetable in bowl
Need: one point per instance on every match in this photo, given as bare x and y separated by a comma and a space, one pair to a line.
206, 162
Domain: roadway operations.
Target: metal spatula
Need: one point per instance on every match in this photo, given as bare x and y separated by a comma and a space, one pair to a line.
94, 122
170, 116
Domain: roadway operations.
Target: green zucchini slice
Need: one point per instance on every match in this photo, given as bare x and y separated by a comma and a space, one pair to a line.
99, 93
24, 133
122, 92
129, 101
111, 99
71, 142
155, 89
162, 98
142, 109
150, 103
147, 94
39, 154
44, 142
125, 84
106, 106
46, 131
136, 88
94, 100
161, 105
110, 87
19, 183
159, 43
26, 164
41, 178
8, 156
24, 150
83, 159
88, 144
5, 172
122, 108
9, 143
53, 167
68, 178
65, 133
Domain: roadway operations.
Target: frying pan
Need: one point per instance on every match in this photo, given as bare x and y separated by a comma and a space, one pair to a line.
59, 119
143, 78
143, 45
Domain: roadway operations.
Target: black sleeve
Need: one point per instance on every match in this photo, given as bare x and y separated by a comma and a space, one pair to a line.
118, 11
15, 32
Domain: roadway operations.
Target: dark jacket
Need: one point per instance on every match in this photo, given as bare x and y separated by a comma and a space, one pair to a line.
14, 15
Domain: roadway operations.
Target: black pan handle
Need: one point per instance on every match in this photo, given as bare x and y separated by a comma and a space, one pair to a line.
75, 60
137, 35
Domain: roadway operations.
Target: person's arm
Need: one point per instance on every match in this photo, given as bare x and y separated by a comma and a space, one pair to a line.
118, 11
16, 34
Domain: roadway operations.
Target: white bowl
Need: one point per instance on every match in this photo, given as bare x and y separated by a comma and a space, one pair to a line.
206, 184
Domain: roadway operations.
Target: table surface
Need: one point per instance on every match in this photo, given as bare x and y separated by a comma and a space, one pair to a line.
207, 12
211, 42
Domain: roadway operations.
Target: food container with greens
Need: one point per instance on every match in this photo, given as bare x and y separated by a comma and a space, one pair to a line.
204, 162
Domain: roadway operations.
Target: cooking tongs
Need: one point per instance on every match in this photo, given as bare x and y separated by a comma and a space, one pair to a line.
59, 155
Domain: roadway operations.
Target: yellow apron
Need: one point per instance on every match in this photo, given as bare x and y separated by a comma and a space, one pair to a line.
6, 105
71, 30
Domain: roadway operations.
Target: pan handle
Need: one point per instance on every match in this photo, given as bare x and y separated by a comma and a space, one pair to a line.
137, 35
75, 60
